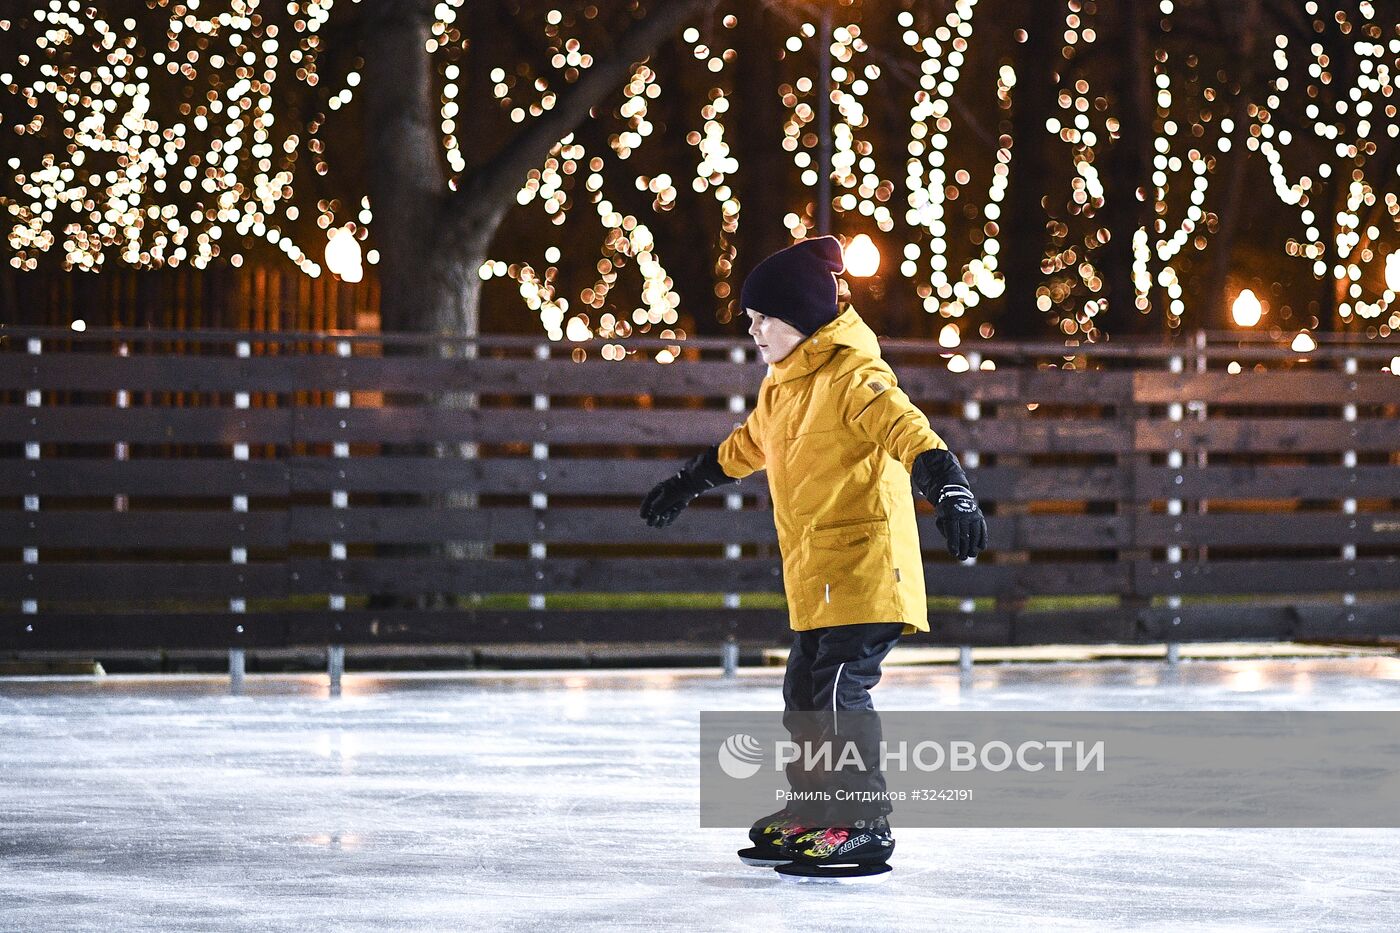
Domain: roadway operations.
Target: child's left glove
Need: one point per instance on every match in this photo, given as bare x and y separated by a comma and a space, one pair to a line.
669, 497
940, 479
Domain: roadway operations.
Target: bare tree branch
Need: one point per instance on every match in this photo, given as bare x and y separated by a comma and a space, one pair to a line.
906, 71
534, 143
403, 145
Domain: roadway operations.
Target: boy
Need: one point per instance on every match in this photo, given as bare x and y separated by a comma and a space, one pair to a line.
839, 441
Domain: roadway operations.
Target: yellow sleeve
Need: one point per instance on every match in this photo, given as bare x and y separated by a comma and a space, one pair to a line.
741, 453
877, 409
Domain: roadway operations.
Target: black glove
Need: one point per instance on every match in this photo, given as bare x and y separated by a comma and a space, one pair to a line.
941, 480
669, 497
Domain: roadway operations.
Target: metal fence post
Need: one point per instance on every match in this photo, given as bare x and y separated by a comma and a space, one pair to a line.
121, 450
335, 666
238, 554
340, 499
32, 399
1202, 455
972, 411
539, 501
1349, 503
733, 502
1174, 461
237, 667
731, 657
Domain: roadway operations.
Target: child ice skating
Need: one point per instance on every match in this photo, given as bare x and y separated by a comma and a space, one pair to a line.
839, 441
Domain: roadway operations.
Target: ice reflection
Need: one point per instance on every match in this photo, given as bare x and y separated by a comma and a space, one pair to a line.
339, 747
567, 801
340, 842
1245, 677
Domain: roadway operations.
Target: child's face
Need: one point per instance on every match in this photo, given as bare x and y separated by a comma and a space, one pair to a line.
775, 338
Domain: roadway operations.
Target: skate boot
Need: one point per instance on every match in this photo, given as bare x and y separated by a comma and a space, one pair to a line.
767, 836
840, 854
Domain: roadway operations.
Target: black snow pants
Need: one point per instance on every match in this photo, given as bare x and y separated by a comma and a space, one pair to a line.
831, 671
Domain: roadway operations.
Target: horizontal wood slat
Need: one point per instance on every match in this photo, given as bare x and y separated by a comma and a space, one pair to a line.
184, 478
141, 580
145, 530
580, 476
219, 630
195, 477
494, 475
288, 373
473, 627
690, 575
504, 575
1267, 388
555, 575
1281, 435
663, 427
698, 525
660, 427
1218, 344
1303, 529
699, 378
518, 526
1296, 575
405, 425
1266, 482
206, 529
94, 424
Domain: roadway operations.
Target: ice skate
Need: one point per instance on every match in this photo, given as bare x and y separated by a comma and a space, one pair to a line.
840, 855
767, 836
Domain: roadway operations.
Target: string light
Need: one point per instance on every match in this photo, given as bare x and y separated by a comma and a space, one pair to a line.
862, 256
343, 255
100, 174
1246, 309
154, 189
1347, 121
626, 237
929, 183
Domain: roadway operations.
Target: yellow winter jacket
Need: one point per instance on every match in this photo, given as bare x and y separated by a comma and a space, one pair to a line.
838, 438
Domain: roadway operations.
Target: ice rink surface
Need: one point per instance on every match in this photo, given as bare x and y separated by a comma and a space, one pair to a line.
568, 802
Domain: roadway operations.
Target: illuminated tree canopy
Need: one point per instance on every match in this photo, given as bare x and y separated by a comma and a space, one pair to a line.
611, 168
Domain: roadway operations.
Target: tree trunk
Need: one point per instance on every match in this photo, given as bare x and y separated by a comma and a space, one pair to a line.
1127, 167
432, 240
1245, 13
471, 215
1023, 223
764, 166
407, 177
458, 293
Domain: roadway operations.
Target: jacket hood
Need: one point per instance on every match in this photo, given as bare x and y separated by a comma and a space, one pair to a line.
847, 330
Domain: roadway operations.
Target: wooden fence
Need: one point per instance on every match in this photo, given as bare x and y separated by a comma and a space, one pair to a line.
256, 489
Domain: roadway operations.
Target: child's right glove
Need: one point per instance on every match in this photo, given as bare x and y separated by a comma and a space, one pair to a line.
941, 480
669, 497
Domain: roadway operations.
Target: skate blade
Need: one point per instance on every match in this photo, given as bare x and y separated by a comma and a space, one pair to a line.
797, 873
761, 858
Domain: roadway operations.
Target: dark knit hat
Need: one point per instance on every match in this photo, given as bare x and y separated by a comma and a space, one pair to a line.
797, 284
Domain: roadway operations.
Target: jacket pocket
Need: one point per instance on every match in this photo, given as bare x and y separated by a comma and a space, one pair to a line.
811, 430
834, 533
851, 571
